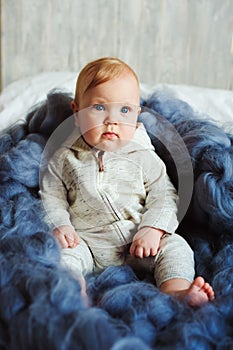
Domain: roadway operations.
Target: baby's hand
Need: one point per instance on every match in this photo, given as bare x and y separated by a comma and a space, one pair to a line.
146, 242
66, 236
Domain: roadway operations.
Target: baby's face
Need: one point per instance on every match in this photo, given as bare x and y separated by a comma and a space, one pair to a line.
108, 113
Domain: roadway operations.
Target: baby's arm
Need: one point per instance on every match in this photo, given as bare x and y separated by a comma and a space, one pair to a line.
66, 236
54, 195
146, 242
160, 208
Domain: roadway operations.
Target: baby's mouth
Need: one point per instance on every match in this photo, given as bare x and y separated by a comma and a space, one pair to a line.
110, 135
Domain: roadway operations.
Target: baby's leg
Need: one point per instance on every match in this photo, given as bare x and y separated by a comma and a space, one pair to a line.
79, 262
174, 272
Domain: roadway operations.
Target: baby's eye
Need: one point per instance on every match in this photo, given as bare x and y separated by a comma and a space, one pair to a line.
98, 107
125, 109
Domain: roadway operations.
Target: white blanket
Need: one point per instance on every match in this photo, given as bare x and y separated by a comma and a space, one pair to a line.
19, 97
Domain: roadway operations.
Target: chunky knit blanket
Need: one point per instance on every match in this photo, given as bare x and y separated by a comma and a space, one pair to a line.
41, 306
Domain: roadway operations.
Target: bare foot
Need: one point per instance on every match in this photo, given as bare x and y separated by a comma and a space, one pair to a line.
199, 293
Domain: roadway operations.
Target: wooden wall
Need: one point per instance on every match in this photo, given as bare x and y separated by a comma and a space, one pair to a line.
165, 41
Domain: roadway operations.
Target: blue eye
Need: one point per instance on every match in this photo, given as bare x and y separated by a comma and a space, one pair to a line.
125, 109
99, 107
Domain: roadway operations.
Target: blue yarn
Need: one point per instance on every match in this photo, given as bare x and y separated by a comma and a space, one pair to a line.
6, 272
223, 259
130, 343
145, 330
95, 329
139, 304
12, 301
162, 310
41, 119
110, 278
210, 149
41, 305
128, 301
29, 217
194, 330
22, 162
87, 329
6, 214
218, 161
203, 256
10, 188
213, 323
167, 106
198, 134
40, 247
22, 215
54, 287
18, 132
199, 329
5, 143
213, 202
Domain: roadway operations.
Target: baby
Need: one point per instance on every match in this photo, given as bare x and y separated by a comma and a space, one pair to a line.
106, 188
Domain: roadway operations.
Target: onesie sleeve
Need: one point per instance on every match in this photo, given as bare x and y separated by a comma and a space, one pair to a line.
161, 202
53, 192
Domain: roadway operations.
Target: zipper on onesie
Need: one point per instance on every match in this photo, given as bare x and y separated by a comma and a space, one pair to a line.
108, 202
101, 162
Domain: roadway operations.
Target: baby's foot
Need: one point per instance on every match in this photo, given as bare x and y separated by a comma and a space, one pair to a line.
199, 293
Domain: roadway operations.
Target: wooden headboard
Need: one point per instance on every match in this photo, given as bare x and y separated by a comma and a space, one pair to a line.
165, 41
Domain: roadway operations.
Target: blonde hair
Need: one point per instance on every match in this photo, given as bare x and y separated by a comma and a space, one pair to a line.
100, 71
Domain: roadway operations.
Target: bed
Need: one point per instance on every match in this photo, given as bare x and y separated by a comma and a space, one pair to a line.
41, 305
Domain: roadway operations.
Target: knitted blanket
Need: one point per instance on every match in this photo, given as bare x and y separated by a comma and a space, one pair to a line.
41, 306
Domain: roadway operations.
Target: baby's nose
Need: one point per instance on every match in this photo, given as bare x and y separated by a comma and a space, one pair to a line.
111, 117
109, 122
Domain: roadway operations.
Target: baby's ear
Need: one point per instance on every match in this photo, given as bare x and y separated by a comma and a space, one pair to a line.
74, 107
